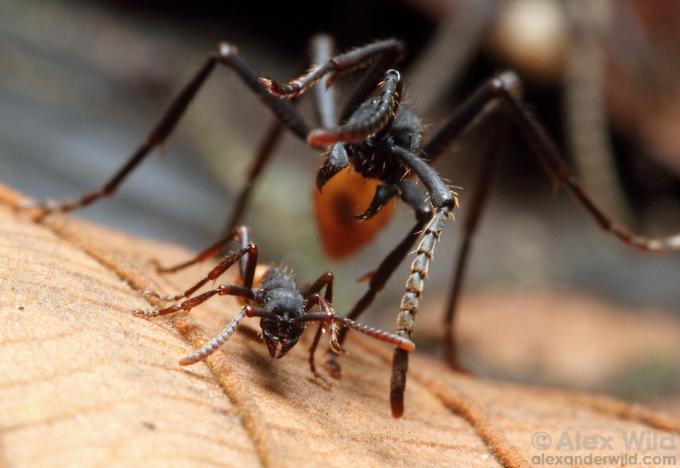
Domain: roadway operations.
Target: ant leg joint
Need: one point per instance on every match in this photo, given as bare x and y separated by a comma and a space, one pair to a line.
225, 49
507, 81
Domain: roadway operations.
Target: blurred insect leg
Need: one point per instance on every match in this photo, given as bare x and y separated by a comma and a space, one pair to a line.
321, 50
335, 65
263, 155
213, 250
547, 153
423, 211
474, 208
505, 88
226, 55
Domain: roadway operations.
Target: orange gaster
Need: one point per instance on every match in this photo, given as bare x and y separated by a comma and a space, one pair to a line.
344, 196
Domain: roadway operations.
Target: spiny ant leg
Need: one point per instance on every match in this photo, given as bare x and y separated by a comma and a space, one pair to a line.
225, 55
247, 273
360, 127
423, 211
475, 207
213, 250
222, 290
345, 62
504, 89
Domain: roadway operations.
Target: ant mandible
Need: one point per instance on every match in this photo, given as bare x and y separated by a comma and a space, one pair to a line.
283, 308
380, 140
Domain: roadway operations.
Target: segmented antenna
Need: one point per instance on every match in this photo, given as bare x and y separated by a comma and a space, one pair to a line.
419, 268
362, 128
216, 342
382, 335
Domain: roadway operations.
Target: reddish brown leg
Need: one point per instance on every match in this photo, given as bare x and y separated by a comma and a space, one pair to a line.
221, 290
247, 273
240, 233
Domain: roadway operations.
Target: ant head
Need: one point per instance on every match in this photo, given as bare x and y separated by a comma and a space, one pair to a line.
280, 329
281, 334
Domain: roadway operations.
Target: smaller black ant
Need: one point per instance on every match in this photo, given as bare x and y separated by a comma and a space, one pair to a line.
283, 308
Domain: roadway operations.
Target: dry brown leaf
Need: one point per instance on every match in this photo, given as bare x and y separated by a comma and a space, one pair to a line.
84, 383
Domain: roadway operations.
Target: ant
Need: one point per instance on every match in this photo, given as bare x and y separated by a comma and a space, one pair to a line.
283, 308
379, 140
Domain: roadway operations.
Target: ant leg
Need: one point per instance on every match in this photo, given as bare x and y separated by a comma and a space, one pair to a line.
213, 250
325, 280
504, 89
221, 290
263, 155
476, 204
423, 211
224, 55
312, 365
336, 65
247, 272
311, 295
321, 50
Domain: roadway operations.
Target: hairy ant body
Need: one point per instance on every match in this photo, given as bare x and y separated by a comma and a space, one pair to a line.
378, 139
283, 308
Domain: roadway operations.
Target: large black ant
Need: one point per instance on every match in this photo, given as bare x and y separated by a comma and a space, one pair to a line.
380, 140
283, 308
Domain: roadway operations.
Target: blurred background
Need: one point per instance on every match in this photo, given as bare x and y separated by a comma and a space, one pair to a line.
81, 84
